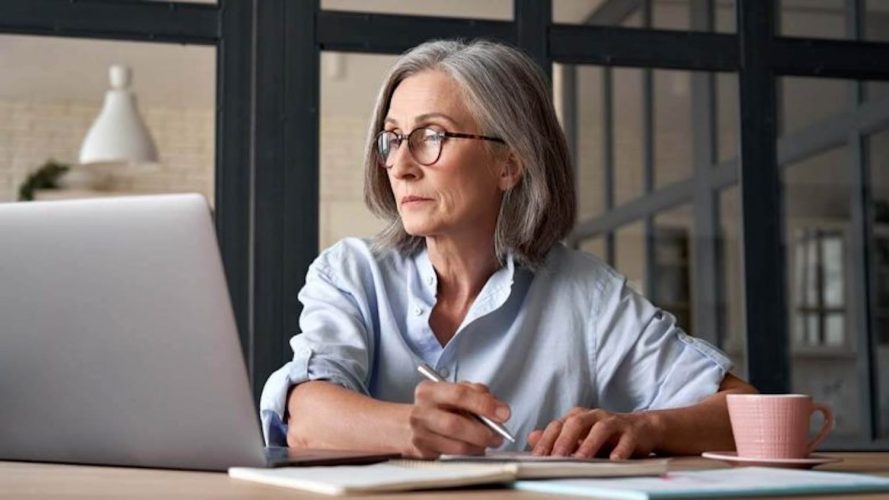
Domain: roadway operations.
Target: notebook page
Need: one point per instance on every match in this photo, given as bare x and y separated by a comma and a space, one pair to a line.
391, 476
746, 481
538, 467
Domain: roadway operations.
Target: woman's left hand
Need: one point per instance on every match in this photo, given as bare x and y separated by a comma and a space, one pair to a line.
586, 433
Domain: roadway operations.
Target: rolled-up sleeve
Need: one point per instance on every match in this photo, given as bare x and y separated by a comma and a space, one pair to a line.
645, 361
334, 346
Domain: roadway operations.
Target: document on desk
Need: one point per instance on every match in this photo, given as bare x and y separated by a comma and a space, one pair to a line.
530, 466
718, 483
396, 475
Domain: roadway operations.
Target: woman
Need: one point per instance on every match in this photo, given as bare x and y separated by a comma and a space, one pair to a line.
467, 162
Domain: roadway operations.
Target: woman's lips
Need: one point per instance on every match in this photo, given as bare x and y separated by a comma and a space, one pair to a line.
409, 200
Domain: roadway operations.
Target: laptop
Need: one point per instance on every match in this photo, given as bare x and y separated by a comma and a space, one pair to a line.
118, 343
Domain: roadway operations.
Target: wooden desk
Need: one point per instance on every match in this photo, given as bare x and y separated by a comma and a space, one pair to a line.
34, 481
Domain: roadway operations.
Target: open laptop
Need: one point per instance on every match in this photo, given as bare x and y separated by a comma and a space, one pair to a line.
118, 343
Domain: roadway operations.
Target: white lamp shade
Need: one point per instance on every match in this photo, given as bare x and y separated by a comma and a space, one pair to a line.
118, 135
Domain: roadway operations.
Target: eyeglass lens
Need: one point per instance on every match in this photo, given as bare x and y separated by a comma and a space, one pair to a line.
424, 145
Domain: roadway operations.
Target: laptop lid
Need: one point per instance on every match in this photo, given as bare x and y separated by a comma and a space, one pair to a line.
118, 344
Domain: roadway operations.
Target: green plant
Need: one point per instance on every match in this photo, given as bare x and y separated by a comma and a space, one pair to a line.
45, 177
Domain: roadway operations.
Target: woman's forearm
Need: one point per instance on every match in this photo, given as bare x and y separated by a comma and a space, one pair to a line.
699, 428
325, 415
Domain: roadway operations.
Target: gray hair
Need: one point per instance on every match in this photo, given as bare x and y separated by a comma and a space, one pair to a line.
509, 98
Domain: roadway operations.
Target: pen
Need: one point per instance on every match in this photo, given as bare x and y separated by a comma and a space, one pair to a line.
433, 375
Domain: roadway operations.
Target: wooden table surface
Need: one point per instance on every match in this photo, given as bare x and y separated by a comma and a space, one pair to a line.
40, 480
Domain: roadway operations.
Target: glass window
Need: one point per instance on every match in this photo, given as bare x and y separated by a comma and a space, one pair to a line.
586, 103
822, 343
595, 246
576, 11
876, 20
489, 9
726, 16
813, 18
733, 337
673, 260
56, 92
349, 86
877, 146
629, 255
673, 131
876, 91
727, 117
671, 14
628, 134
807, 101
666, 14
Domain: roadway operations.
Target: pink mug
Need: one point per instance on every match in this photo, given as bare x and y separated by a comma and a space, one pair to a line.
776, 425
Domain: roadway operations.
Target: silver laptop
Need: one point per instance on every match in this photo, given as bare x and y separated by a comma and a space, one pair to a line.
118, 343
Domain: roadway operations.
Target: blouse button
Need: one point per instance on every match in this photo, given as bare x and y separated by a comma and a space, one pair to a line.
418, 311
444, 372
430, 280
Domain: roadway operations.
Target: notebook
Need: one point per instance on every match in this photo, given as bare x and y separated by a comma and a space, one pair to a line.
530, 466
396, 475
403, 475
742, 481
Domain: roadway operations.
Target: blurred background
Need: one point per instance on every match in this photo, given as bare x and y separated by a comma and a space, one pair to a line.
264, 107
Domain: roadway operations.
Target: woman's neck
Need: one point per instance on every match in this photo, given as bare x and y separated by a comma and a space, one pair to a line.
463, 266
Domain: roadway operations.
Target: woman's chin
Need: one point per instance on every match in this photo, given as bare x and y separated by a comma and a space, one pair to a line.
418, 229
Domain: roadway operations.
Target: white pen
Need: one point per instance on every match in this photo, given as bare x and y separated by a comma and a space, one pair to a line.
433, 375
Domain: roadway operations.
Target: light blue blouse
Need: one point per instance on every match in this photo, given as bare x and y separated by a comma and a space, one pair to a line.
572, 333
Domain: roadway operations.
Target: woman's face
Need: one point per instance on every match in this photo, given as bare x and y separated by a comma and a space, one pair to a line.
460, 193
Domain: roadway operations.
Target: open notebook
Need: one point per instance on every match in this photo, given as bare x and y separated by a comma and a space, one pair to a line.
403, 475
719, 483
539, 467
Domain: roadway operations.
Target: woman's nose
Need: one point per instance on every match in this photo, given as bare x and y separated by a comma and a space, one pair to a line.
403, 164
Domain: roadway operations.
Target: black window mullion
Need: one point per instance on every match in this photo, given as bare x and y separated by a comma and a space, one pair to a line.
233, 180
707, 290
395, 34
608, 155
268, 200
300, 170
648, 143
861, 251
762, 219
532, 20
171, 22
285, 163
820, 286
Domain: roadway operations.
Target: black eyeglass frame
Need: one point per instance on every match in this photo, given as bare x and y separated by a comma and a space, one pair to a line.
441, 134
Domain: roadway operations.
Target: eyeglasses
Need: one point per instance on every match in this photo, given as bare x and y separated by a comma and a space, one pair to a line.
423, 143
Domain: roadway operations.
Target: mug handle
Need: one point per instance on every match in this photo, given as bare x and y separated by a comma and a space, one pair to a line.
825, 428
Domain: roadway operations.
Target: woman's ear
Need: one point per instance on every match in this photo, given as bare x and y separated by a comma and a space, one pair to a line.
510, 173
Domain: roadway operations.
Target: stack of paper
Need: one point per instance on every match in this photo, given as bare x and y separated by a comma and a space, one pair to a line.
744, 481
538, 467
402, 475
398, 475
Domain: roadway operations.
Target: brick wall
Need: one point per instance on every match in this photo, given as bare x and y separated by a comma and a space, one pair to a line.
33, 132
342, 212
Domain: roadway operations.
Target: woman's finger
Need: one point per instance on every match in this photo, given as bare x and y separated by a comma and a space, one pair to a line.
625, 448
454, 425
548, 438
462, 397
533, 437
477, 386
574, 429
600, 433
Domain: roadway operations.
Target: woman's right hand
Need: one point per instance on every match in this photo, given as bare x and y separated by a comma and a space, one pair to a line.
442, 419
